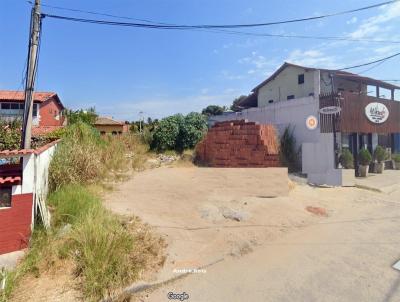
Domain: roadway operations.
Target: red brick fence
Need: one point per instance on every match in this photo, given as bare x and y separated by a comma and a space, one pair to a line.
239, 144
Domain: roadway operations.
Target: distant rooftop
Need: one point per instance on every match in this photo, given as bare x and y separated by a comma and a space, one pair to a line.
107, 121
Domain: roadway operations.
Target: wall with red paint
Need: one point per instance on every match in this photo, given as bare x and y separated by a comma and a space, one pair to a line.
48, 111
15, 224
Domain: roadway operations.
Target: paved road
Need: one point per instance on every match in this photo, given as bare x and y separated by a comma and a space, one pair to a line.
347, 257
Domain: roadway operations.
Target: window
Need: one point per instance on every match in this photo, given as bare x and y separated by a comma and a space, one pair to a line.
290, 97
311, 94
35, 108
300, 79
5, 197
15, 106
270, 101
22, 106
5, 105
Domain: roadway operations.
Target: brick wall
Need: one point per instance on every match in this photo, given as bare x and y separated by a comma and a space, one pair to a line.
15, 224
239, 144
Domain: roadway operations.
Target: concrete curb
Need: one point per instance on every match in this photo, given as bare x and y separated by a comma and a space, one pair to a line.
142, 286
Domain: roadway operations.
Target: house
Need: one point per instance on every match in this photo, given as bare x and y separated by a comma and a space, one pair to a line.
107, 125
47, 108
23, 190
328, 110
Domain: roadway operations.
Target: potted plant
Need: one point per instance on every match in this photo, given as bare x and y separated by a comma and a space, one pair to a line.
396, 159
380, 156
364, 159
346, 159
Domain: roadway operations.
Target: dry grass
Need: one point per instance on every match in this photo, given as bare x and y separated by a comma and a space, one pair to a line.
106, 252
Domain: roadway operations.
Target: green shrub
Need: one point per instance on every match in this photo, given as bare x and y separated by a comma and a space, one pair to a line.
191, 131
166, 134
288, 154
346, 159
364, 157
380, 154
88, 116
396, 157
179, 132
10, 135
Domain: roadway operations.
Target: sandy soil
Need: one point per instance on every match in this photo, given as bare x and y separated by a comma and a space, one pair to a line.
206, 218
345, 257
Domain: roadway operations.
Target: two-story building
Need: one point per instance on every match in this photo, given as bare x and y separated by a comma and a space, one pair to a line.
47, 108
328, 110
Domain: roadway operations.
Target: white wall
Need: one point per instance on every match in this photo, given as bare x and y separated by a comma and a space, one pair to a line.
282, 114
285, 84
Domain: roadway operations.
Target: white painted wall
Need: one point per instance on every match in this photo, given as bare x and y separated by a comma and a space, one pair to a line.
286, 83
316, 148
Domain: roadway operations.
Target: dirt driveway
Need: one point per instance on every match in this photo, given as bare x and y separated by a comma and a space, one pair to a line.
206, 215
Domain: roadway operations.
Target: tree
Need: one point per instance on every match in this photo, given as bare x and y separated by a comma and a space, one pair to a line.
88, 116
179, 132
235, 104
213, 110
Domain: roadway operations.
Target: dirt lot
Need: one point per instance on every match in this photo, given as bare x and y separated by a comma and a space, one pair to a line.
209, 214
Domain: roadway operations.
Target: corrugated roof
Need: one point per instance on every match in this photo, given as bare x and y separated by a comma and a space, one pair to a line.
107, 121
337, 73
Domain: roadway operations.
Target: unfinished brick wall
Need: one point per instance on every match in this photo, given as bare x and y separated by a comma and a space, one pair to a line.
239, 144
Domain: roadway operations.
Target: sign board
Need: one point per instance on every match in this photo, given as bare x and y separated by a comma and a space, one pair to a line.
330, 110
311, 122
377, 113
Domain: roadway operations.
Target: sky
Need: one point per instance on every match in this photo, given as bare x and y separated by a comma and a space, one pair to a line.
122, 71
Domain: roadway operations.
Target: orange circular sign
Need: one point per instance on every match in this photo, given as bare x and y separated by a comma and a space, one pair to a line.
311, 122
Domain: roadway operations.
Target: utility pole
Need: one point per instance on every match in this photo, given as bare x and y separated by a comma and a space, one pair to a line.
34, 40
140, 121
335, 145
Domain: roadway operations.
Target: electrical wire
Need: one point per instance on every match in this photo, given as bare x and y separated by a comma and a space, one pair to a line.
370, 63
213, 26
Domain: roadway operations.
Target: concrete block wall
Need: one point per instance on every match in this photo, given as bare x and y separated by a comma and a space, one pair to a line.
239, 144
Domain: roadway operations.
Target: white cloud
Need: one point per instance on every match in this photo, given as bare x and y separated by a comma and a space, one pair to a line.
375, 24
259, 65
352, 20
312, 58
230, 76
161, 107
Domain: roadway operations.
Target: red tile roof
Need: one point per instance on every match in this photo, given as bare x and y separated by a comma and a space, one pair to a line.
6, 153
36, 131
107, 121
18, 96
10, 179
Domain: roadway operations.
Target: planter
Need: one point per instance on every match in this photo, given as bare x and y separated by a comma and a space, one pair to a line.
363, 171
348, 177
380, 167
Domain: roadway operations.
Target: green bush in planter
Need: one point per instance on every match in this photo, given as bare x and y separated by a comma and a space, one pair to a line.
380, 154
346, 159
396, 157
364, 157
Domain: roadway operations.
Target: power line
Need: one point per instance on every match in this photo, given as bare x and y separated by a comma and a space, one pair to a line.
208, 26
370, 63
